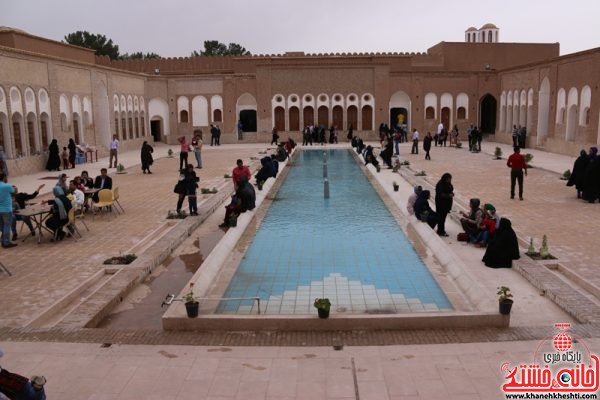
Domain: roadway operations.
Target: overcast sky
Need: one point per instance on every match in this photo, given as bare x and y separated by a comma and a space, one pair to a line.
176, 27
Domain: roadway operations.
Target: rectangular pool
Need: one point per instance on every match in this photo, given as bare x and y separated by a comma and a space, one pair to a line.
348, 248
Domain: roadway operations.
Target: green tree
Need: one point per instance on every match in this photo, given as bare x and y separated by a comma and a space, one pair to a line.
216, 48
138, 55
97, 42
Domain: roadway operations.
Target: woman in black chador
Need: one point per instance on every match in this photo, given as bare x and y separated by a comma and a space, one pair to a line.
502, 247
578, 173
53, 163
72, 152
444, 193
146, 155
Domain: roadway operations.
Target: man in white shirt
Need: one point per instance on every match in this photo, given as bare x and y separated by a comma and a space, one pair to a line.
114, 150
438, 133
415, 139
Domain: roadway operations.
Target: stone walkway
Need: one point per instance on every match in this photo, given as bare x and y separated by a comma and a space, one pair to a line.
80, 371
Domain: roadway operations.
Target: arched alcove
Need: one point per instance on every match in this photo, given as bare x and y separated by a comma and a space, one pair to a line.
543, 110
399, 109
158, 114
246, 112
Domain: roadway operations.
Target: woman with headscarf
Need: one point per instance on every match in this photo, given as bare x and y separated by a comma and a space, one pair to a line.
3, 166
579, 167
60, 213
387, 152
470, 222
503, 246
423, 211
591, 178
53, 163
72, 152
146, 155
444, 193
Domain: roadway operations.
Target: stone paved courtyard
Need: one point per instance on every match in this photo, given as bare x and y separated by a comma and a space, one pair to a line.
161, 366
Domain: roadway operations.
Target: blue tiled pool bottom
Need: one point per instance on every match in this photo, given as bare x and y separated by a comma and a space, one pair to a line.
348, 248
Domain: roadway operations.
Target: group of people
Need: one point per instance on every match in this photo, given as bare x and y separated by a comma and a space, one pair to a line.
195, 146
67, 195
56, 158
418, 204
474, 137
244, 198
482, 225
586, 175
318, 134
519, 136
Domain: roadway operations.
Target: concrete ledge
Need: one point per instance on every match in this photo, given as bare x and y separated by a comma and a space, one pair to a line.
336, 322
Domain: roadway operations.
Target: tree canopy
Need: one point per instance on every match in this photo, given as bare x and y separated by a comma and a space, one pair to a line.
139, 56
97, 42
216, 48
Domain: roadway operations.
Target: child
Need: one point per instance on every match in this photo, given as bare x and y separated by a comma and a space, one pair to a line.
486, 229
65, 158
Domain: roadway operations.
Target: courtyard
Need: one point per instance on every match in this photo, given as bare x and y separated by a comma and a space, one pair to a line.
126, 361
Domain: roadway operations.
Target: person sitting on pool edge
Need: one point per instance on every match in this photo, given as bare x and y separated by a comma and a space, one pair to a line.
267, 171
370, 157
423, 210
243, 200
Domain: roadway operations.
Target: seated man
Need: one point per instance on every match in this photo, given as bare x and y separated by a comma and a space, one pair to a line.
103, 181
15, 386
275, 164
239, 171
243, 200
282, 155
470, 221
18, 217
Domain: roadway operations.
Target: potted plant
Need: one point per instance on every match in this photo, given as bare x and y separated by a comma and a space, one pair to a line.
504, 300
498, 153
226, 176
566, 175
191, 305
170, 153
378, 168
544, 252
259, 184
528, 157
323, 305
121, 169
396, 186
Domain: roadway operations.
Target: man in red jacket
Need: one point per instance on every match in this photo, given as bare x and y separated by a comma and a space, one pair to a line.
516, 163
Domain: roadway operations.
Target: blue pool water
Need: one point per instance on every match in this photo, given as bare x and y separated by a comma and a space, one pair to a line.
348, 248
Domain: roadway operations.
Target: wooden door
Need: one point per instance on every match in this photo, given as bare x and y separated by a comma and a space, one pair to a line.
280, 119
338, 117
446, 117
294, 119
367, 118
309, 115
323, 116
352, 117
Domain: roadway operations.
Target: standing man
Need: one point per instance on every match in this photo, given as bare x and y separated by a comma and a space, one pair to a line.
6, 210
415, 139
218, 135
197, 146
438, 134
516, 163
240, 129
213, 135
114, 150
515, 135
